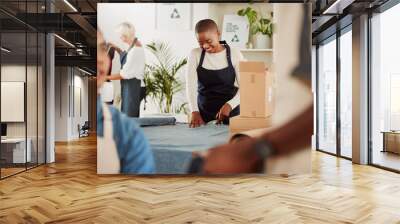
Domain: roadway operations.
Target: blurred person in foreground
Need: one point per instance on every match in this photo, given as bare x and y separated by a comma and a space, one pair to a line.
249, 154
121, 144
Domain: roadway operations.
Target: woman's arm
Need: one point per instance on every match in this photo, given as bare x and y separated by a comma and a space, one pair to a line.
191, 91
114, 77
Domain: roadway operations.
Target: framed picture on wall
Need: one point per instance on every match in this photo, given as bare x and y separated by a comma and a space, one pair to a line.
235, 30
173, 16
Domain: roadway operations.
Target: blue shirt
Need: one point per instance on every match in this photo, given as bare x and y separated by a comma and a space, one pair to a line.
134, 150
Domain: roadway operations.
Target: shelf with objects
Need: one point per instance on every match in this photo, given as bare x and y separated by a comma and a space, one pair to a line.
248, 27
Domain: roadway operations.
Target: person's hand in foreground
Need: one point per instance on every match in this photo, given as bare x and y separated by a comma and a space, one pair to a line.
223, 113
196, 120
233, 158
242, 157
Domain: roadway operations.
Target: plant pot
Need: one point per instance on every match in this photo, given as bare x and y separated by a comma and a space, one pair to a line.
262, 41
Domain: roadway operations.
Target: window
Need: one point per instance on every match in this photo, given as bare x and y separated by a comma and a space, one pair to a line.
346, 93
385, 89
22, 77
327, 96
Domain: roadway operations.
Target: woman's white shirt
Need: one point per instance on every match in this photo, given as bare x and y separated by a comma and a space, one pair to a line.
134, 65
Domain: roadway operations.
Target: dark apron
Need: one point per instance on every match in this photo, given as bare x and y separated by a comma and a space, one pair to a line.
215, 88
131, 92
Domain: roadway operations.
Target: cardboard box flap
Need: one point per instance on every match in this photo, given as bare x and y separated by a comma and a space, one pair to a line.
251, 66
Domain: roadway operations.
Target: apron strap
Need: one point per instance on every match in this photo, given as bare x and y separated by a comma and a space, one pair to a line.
228, 55
203, 53
123, 55
229, 58
133, 44
228, 52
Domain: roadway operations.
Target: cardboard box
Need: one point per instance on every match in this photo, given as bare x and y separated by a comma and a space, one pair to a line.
256, 89
239, 123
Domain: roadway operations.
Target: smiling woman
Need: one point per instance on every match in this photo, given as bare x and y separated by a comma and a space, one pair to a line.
212, 77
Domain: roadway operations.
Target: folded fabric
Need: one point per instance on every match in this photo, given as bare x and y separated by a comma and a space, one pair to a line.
155, 121
181, 137
171, 161
173, 145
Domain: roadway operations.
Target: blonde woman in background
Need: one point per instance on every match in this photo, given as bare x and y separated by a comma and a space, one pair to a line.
132, 70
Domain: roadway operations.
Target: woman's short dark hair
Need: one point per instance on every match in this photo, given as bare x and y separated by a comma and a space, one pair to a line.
205, 25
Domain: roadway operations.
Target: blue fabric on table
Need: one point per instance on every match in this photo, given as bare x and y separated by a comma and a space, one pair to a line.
173, 145
171, 161
155, 121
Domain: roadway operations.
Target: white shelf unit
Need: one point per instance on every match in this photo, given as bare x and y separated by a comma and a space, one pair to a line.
264, 55
256, 50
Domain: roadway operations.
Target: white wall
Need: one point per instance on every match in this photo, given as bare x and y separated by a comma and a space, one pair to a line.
69, 81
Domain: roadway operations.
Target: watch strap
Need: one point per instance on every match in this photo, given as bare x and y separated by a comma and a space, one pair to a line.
263, 148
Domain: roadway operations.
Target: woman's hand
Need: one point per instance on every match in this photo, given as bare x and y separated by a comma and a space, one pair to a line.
223, 113
196, 120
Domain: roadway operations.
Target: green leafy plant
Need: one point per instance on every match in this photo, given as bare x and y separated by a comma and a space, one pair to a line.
182, 109
252, 17
265, 27
161, 78
257, 23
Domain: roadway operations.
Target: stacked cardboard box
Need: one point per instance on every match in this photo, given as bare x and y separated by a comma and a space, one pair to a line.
240, 124
256, 98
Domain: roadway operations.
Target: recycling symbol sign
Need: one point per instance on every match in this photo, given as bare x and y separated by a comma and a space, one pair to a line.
235, 38
175, 14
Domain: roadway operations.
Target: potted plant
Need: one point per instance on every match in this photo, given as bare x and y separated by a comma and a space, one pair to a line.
260, 28
263, 38
161, 77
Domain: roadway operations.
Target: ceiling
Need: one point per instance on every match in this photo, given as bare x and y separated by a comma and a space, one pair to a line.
331, 15
74, 22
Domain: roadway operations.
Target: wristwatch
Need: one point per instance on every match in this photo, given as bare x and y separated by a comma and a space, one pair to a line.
263, 148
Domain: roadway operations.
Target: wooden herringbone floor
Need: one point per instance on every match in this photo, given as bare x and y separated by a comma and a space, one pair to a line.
69, 191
